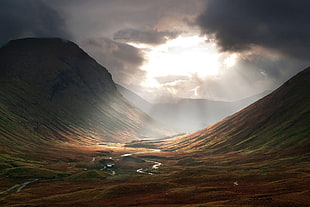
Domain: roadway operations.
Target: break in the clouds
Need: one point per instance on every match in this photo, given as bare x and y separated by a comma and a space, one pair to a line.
241, 25
216, 49
32, 18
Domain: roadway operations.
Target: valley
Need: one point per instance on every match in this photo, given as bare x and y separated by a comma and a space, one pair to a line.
189, 115
69, 138
167, 103
70, 176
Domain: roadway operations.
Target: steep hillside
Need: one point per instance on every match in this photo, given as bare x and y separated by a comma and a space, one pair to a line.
280, 121
51, 90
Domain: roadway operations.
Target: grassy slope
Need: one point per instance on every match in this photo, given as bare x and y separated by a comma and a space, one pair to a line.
279, 121
52, 91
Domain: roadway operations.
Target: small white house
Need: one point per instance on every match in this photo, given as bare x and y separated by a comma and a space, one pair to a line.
110, 165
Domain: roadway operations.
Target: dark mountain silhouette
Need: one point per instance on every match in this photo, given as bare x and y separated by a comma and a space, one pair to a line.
51, 90
279, 121
189, 115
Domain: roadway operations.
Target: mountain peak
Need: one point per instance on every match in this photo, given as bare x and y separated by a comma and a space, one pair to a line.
45, 46
58, 64
40, 42
55, 89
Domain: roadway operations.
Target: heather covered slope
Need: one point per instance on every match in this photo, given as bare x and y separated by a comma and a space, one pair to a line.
51, 90
279, 121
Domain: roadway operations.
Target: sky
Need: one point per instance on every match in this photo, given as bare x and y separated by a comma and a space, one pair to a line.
168, 49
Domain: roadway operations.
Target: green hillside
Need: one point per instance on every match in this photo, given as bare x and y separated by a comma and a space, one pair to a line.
279, 121
52, 91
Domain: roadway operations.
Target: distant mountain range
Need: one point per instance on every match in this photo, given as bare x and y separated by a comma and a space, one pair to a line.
277, 122
52, 91
189, 115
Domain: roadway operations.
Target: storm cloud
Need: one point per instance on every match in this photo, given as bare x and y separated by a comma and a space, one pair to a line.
152, 37
33, 18
239, 25
122, 60
269, 38
97, 18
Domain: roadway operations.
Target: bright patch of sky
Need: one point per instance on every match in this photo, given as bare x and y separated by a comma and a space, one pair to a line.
183, 56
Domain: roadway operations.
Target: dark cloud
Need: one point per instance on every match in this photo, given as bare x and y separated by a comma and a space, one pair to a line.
122, 60
97, 18
152, 37
271, 38
239, 25
32, 18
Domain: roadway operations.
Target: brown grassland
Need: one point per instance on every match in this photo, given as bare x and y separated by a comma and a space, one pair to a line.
72, 175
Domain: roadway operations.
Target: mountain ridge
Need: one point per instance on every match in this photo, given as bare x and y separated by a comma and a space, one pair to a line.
51, 88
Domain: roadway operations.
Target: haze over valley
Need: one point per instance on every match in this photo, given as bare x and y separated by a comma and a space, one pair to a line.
189, 115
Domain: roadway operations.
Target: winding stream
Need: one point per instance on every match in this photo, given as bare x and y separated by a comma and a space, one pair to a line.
26, 183
141, 170
21, 186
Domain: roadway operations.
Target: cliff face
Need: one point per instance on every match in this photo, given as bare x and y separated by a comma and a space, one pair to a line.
52, 90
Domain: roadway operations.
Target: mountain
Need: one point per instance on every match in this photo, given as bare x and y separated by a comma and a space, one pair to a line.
189, 115
52, 91
56, 102
279, 121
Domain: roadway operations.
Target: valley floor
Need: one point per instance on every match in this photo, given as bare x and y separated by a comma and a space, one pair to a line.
115, 175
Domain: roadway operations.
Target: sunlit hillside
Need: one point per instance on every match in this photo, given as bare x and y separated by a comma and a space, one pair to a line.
52, 91
278, 122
